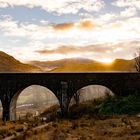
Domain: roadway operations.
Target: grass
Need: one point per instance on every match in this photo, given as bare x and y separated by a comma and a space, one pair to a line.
85, 128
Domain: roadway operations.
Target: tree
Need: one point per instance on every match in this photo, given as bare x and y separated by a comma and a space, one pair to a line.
137, 60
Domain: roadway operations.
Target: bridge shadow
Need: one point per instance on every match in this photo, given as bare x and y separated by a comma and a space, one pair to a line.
32, 100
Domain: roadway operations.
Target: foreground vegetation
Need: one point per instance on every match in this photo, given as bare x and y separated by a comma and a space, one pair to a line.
91, 128
112, 118
109, 106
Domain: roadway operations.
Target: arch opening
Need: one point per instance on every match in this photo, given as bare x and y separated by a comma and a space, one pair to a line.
90, 92
32, 100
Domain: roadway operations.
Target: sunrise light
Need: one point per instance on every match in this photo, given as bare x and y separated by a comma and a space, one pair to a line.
61, 30
106, 60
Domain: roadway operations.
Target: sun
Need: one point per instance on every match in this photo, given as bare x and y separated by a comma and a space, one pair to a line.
106, 60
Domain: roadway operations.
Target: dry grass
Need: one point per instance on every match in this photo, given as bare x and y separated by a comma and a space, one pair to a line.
11, 128
84, 123
87, 128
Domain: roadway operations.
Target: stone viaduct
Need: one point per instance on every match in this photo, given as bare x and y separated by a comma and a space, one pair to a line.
63, 85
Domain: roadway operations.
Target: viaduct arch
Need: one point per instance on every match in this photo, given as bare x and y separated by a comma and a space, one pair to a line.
64, 85
13, 103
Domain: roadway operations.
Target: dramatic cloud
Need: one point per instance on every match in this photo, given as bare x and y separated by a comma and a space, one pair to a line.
57, 29
79, 32
57, 6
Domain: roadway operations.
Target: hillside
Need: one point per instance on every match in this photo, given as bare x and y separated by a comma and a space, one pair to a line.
84, 65
117, 65
49, 65
123, 65
10, 64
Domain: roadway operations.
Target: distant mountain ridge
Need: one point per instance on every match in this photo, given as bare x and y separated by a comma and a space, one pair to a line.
85, 65
10, 64
49, 65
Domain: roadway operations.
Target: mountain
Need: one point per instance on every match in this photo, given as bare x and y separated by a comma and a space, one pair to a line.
119, 65
123, 65
10, 64
85, 65
49, 65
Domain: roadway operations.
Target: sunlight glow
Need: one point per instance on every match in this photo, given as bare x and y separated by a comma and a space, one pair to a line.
106, 60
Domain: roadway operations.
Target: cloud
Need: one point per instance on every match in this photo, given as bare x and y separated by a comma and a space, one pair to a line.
85, 31
64, 26
129, 12
57, 6
108, 17
44, 22
127, 3
87, 24
65, 49
85, 15
45, 41
10, 27
95, 51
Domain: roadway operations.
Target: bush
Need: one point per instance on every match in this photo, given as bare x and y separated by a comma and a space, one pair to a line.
121, 105
111, 105
86, 108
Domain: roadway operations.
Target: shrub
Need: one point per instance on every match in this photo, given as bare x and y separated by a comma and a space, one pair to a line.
111, 105
121, 105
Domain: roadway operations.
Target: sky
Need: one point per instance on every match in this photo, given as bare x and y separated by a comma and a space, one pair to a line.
47, 30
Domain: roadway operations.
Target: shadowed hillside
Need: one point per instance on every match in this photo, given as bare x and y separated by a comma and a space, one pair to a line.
10, 64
